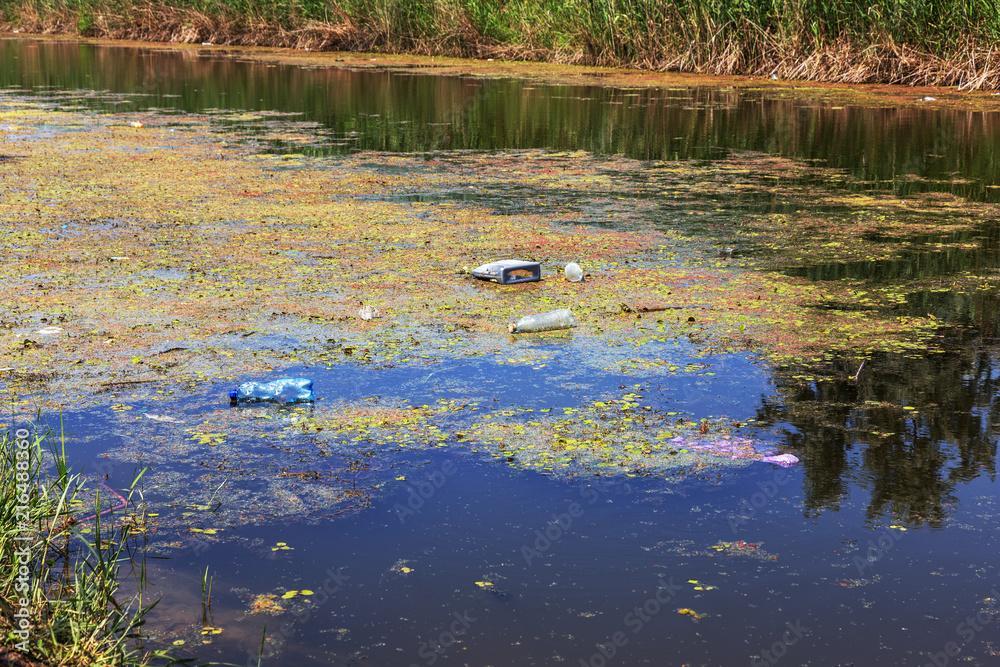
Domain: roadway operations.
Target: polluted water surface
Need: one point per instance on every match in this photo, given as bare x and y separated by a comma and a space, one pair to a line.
769, 433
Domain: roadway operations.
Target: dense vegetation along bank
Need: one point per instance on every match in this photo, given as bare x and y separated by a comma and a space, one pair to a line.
60, 598
946, 43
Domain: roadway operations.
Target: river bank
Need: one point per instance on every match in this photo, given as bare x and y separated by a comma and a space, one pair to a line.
947, 44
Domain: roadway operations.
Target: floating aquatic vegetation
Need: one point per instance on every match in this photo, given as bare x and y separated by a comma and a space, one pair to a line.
745, 549
699, 586
401, 567
329, 235
179, 257
695, 616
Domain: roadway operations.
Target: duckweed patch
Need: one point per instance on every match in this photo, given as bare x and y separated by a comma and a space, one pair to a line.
176, 258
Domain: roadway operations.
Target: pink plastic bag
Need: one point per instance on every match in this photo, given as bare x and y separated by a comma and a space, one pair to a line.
783, 460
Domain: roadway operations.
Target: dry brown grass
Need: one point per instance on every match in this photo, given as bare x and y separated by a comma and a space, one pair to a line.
887, 62
155, 23
720, 50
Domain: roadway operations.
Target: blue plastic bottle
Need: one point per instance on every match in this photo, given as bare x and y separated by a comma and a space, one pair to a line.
285, 390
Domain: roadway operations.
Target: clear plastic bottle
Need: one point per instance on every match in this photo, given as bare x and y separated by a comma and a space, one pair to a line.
285, 390
556, 319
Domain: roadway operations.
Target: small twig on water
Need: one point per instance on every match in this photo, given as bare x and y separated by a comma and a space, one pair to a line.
859, 372
217, 492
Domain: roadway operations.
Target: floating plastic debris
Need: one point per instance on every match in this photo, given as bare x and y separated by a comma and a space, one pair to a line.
162, 418
783, 460
556, 319
286, 390
509, 271
735, 448
574, 273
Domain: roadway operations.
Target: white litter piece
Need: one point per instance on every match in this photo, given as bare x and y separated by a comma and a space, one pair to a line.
573, 273
163, 418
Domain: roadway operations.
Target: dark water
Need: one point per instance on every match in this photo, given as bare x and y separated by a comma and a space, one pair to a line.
875, 550
413, 113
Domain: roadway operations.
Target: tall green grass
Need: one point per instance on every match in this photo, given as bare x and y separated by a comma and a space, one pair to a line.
76, 614
624, 28
722, 36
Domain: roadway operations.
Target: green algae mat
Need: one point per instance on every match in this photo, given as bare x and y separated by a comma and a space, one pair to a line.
157, 252
145, 249
155, 255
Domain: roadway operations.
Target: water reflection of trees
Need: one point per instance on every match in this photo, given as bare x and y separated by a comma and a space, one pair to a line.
911, 461
903, 149
922, 259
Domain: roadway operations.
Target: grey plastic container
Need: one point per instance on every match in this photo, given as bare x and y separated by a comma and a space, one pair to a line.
556, 319
503, 271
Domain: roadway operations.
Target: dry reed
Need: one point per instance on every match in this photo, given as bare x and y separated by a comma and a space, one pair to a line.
667, 42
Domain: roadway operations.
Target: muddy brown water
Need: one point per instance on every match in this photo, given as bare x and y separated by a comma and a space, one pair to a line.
878, 548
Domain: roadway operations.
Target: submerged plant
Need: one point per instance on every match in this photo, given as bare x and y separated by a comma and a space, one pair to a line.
206, 599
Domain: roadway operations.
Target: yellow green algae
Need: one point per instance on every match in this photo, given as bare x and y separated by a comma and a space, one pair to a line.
138, 241
152, 256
